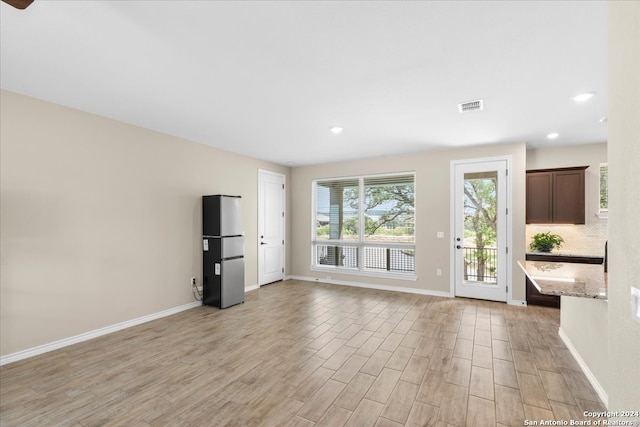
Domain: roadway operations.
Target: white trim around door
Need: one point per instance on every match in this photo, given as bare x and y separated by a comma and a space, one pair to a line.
466, 264
271, 226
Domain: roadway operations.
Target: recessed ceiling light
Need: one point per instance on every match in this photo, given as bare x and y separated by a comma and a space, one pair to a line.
336, 129
553, 135
584, 97
603, 119
290, 164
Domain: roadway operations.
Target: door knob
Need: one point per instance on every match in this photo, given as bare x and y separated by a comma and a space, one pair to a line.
262, 243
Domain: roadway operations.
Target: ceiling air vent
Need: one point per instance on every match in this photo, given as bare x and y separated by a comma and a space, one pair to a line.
476, 105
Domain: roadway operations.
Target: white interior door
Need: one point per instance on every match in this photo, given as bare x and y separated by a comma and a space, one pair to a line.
480, 229
271, 208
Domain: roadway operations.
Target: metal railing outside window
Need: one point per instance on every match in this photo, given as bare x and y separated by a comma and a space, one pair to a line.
480, 265
389, 259
401, 260
337, 256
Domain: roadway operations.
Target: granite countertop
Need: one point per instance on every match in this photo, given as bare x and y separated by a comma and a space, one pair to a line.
563, 254
568, 279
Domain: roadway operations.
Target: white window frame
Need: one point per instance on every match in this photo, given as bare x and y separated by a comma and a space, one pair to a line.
361, 243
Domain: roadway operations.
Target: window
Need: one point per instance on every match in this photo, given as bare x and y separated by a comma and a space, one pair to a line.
365, 224
604, 189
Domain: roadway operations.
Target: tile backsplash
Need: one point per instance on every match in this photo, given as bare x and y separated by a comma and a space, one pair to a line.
587, 239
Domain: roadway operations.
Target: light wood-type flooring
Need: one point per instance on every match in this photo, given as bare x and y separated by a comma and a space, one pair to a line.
303, 354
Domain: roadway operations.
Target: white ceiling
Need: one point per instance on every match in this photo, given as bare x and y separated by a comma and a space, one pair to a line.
268, 79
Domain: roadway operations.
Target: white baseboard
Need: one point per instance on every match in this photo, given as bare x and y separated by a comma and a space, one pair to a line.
251, 288
518, 303
373, 286
45, 348
585, 369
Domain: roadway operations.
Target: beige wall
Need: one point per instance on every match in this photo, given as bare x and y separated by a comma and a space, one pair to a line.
432, 212
101, 220
580, 315
624, 203
587, 239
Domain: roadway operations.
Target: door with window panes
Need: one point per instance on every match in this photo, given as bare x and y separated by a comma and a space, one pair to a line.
480, 203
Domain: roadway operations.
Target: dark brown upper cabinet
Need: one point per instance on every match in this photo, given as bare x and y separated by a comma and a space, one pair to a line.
555, 196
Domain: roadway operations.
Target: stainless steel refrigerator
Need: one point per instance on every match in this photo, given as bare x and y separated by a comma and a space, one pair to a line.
223, 251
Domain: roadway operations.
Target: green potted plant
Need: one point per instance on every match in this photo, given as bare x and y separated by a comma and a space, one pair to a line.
546, 242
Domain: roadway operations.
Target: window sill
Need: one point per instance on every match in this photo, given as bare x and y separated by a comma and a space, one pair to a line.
602, 215
390, 275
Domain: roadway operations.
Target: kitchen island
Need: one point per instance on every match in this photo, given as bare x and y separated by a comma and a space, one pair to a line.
534, 297
567, 279
583, 290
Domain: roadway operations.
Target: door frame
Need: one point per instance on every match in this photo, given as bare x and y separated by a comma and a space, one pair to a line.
262, 172
509, 220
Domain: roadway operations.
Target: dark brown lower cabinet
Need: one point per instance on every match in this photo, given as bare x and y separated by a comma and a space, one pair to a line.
536, 298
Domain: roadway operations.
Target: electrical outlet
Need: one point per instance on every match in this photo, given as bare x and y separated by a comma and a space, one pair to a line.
193, 281
440, 234
439, 272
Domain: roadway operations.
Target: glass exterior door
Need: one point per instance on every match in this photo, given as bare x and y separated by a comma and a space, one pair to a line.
480, 230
